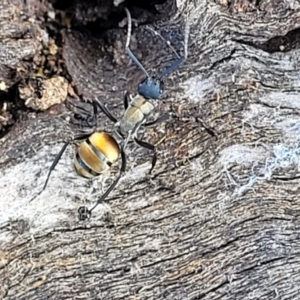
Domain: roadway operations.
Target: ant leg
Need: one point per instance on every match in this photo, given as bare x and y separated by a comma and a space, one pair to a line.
81, 113
126, 100
57, 159
149, 147
55, 162
127, 49
92, 120
105, 110
160, 119
84, 212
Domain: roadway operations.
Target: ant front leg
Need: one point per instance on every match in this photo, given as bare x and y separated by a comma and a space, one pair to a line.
126, 100
160, 119
95, 112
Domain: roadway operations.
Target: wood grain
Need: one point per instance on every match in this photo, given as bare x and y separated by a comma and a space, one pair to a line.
219, 217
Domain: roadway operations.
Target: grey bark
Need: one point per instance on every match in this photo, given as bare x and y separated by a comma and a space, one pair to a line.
219, 217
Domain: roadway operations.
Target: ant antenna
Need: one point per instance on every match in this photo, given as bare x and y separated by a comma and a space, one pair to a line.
175, 64
127, 49
181, 59
162, 38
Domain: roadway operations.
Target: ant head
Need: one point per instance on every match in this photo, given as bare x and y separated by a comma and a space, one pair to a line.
151, 88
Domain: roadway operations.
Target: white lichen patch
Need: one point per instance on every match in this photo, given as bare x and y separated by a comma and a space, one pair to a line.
260, 115
280, 99
196, 89
136, 172
141, 202
196, 165
278, 157
263, 160
290, 129
59, 202
242, 155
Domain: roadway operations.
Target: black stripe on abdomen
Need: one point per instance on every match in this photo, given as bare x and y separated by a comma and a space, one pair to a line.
84, 166
99, 154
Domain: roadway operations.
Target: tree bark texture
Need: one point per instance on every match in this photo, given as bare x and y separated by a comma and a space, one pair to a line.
219, 216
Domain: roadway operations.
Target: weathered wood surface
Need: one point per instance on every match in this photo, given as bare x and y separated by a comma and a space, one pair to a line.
218, 219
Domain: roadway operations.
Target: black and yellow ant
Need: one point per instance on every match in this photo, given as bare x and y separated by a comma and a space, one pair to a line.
100, 150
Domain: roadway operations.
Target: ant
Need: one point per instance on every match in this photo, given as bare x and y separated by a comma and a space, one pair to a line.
100, 150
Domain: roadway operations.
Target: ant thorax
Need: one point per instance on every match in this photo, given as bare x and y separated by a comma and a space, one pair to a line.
135, 115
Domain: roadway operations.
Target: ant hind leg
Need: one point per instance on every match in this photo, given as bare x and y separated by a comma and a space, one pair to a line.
83, 212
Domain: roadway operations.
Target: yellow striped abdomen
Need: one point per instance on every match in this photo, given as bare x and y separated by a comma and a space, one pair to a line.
96, 154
